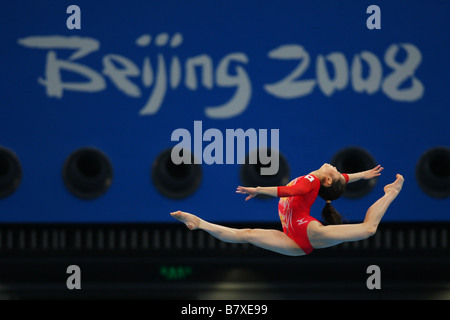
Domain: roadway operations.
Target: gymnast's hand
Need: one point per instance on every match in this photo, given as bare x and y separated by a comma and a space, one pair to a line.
252, 192
366, 175
372, 173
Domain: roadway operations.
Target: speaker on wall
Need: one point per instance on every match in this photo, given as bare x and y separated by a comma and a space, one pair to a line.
10, 172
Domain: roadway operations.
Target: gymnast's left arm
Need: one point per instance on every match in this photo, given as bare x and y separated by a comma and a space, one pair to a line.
366, 175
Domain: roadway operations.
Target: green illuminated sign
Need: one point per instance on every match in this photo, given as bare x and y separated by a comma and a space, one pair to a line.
175, 272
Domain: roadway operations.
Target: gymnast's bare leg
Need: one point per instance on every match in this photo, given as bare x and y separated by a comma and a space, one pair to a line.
272, 240
327, 236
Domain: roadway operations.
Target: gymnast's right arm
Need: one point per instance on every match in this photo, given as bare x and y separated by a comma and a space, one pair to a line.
253, 192
301, 188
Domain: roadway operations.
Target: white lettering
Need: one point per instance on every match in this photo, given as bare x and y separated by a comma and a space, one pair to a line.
374, 281
73, 281
241, 98
287, 88
161, 75
374, 21
290, 87
193, 310
213, 153
119, 76
372, 83
74, 21
326, 84
402, 72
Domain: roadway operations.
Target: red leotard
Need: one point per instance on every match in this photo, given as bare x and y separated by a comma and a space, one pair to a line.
294, 208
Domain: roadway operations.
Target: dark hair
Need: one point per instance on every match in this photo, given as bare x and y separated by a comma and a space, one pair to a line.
335, 191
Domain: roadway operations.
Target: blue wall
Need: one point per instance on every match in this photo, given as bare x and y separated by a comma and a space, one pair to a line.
405, 113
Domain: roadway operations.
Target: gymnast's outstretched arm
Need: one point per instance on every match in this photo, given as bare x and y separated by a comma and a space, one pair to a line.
302, 187
368, 174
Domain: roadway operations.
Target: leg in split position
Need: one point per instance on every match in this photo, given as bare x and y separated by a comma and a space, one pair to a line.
272, 240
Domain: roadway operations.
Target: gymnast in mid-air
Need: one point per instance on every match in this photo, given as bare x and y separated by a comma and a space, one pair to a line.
301, 232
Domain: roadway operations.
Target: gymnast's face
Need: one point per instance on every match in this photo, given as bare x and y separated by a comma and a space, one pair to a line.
331, 174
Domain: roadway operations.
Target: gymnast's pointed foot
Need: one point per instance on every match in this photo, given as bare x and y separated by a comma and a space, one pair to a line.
396, 186
191, 221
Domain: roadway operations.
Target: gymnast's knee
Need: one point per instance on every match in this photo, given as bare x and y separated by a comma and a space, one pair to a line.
371, 230
247, 234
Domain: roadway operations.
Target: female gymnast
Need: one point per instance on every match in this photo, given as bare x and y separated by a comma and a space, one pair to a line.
301, 232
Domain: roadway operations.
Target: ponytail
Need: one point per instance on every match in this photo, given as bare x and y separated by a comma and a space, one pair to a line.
330, 215
335, 191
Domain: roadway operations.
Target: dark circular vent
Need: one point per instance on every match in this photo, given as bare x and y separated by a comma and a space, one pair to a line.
433, 172
252, 174
10, 172
87, 173
175, 181
352, 160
